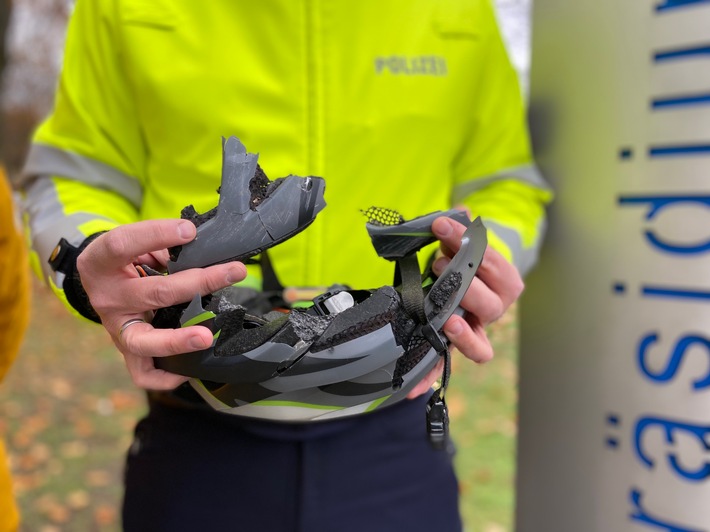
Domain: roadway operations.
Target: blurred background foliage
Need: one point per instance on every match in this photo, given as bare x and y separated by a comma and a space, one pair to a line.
67, 408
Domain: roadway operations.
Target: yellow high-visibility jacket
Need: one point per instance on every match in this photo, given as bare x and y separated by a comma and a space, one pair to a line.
14, 316
404, 104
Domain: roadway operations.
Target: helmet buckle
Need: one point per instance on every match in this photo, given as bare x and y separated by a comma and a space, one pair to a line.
437, 422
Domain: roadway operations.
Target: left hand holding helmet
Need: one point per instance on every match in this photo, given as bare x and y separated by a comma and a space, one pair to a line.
123, 299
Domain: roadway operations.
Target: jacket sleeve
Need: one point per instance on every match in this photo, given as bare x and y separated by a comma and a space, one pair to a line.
494, 174
84, 171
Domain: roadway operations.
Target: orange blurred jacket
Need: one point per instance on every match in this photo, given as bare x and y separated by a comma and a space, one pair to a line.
14, 315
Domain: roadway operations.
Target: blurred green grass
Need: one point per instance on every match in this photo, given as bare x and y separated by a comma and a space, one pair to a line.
483, 404
67, 410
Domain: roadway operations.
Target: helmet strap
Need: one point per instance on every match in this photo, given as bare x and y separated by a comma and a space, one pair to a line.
437, 414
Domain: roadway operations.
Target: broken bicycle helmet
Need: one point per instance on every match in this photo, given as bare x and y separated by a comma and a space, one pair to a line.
350, 351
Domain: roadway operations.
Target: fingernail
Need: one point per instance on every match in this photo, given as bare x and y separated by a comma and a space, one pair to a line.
443, 227
186, 230
454, 328
197, 342
440, 265
234, 275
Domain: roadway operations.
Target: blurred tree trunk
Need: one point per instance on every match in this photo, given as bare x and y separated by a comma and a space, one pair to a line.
33, 38
5, 9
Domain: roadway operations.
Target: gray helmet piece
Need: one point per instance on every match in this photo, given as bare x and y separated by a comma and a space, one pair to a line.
244, 225
394, 241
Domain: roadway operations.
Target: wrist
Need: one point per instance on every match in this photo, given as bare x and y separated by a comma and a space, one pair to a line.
63, 259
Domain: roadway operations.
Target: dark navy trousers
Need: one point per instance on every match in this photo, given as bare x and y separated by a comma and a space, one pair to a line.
191, 470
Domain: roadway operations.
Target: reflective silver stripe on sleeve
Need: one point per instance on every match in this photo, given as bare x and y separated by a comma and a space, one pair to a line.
48, 223
526, 174
47, 160
523, 258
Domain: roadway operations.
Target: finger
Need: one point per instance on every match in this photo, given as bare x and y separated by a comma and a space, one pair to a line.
142, 370
482, 302
157, 260
440, 265
479, 300
144, 341
121, 245
164, 291
427, 382
465, 209
502, 279
500, 276
469, 337
449, 233
145, 375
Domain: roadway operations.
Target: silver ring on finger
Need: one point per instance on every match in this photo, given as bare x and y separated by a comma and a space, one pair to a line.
126, 325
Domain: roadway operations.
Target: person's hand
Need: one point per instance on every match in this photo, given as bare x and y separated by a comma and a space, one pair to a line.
119, 294
497, 285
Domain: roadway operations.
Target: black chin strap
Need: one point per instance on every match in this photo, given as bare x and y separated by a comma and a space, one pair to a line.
437, 414
271, 285
409, 277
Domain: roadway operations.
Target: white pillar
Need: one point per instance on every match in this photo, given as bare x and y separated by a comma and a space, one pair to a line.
615, 321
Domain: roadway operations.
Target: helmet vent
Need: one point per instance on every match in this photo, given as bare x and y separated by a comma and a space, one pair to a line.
383, 217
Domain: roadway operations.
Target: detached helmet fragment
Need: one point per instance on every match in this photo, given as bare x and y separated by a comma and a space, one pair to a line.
351, 351
253, 213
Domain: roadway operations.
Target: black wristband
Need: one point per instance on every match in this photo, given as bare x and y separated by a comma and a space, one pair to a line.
63, 259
